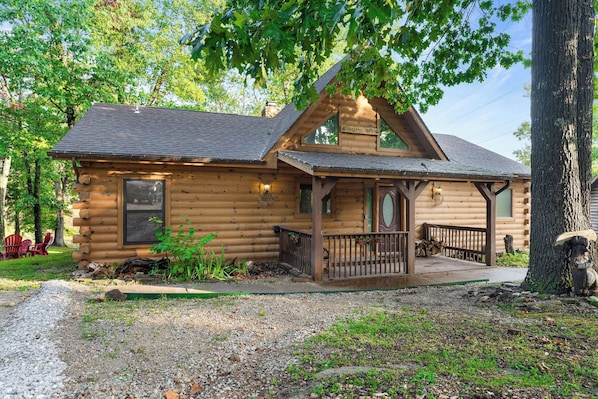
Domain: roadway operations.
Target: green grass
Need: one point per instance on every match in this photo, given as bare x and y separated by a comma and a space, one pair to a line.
29, 271
417, 350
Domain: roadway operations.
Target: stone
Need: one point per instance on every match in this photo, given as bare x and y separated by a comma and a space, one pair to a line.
195, 389
115, 295
168, 394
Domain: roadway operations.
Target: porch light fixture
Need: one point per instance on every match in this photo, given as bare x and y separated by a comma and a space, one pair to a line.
265, 196
437, 194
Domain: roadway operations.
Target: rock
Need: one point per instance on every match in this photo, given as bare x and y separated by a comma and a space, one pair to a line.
170, 395
115, 295
195, 389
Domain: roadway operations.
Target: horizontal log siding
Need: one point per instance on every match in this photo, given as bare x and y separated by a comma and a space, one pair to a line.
214, 200
463, 205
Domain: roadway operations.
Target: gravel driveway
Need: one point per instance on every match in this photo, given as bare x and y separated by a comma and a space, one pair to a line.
59, 344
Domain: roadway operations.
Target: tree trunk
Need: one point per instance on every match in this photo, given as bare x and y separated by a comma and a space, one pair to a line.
561, 112
4, 172
60, 188
37, 207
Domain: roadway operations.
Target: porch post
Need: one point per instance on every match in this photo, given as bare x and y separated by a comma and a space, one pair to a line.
316, 229
410, 191
489, 193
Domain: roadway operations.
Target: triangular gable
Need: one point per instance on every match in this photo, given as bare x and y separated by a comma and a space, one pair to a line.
358, 125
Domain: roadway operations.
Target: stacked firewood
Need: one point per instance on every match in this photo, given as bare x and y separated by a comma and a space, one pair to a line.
425, 248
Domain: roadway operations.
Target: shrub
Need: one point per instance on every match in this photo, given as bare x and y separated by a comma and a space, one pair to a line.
517, 259
191, 260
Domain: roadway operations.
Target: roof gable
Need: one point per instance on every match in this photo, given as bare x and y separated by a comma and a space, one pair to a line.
356, 117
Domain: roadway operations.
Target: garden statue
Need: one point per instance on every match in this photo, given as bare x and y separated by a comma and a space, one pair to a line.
579, 259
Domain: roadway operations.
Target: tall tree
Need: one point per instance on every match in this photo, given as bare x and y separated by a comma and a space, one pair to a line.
60, 56
561, 133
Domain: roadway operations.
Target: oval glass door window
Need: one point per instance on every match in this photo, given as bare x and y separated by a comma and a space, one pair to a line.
388, 209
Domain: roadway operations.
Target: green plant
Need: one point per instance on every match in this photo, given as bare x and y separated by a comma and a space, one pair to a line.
191, 259
517, 259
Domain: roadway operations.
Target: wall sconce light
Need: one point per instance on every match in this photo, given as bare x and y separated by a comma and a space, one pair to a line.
265, 197
437, 194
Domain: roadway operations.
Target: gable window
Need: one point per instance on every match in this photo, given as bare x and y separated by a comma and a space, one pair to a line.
143, 199
389, 139
306, 198
504, 204
327, 133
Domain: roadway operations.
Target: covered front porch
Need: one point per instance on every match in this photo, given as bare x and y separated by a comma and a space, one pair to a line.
387, 246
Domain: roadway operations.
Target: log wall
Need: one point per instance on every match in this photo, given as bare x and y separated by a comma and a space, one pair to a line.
463, 205
224, 201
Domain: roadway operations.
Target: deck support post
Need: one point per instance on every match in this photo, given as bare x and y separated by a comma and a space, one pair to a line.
410, 191
489, 193
320, 187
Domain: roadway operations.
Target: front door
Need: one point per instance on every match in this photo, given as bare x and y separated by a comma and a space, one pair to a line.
388, 216
388, 212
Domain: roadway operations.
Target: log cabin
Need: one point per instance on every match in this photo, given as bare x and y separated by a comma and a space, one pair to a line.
343, 188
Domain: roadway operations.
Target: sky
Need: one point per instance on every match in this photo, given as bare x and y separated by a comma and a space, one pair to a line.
488, 113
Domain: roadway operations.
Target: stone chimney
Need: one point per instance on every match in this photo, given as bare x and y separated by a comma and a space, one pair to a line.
270, 110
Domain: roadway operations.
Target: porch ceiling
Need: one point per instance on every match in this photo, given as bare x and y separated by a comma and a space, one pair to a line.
354, 165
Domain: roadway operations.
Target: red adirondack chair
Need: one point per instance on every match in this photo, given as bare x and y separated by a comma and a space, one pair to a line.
24, 248
42, 248
12, 246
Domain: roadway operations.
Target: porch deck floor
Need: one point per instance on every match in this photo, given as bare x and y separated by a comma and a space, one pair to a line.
434, 270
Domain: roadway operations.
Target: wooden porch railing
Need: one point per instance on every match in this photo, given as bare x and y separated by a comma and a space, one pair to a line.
347, 255
460, 242
365, 254
295, 249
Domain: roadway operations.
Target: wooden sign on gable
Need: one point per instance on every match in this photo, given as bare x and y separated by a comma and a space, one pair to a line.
372, 131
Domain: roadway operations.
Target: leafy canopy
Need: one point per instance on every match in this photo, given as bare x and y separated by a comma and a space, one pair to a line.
404, 50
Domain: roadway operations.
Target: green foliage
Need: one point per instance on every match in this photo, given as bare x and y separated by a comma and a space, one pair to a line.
517, 259
191, 259
438, 43
524, 133
465, 354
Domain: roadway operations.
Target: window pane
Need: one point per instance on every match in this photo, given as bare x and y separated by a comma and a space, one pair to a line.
145, 193
325, 134
305, 200
388, 209
369, 215
138, 228
143, 199
389, 139
504, 204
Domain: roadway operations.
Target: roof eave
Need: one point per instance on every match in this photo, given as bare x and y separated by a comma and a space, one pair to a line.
68, 155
